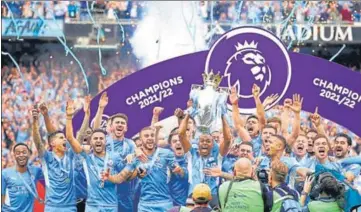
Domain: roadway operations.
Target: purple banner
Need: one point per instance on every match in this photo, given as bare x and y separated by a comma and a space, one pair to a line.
243, 56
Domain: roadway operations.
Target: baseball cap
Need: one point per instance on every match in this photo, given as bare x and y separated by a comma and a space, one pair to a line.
201, 193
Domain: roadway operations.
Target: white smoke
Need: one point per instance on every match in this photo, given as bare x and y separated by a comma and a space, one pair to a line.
168, 29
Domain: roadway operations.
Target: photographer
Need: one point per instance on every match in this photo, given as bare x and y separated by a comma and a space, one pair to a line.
326, 193
284, 198
243, 193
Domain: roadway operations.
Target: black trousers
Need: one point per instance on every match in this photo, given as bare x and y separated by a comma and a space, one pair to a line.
80, 205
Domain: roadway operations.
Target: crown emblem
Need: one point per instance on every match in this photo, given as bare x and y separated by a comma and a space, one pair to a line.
246, 45
212, 79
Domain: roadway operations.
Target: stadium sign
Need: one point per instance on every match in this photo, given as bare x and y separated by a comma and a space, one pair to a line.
309, 33
243, 56
324, 33
31, 28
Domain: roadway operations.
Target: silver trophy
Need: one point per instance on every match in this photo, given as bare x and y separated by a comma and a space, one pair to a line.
209, 103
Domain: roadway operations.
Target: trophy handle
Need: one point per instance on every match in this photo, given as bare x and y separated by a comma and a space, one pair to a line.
224, 90
196, 87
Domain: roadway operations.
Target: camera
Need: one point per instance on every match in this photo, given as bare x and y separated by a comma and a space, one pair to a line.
262, 175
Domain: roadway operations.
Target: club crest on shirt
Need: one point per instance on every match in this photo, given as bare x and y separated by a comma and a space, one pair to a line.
158, 163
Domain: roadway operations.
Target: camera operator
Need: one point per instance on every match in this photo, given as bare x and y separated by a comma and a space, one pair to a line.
326, 192
284, 198
243, 193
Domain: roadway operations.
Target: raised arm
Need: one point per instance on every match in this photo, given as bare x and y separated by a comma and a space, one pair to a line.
45, 112
157, 131
316, 122
269, 100
237, 120
36, 132
296, 127
179, 114
306, 189
285, 117
184, 139
103, 102
70, 110
261, 114
85, 124
226, 143
156, 113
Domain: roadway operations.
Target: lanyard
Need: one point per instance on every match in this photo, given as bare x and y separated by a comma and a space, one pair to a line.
190, 167
33, 192
204, 162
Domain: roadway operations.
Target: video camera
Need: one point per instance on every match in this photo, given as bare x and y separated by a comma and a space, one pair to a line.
262, 175
317, 185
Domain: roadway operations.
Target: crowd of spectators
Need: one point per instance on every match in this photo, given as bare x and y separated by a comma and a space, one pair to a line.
222, 11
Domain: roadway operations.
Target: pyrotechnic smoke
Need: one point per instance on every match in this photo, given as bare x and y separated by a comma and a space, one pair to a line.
168, 29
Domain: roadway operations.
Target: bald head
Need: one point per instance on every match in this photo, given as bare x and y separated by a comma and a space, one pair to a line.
243, 167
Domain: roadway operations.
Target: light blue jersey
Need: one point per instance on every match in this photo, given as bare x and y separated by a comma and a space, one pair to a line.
99, 196
351, 164
353, 168
199, 164
119, 150
154, 191
257, 145
178, 184
228, 163
59, 181
20, 189
328, 164
80, 179
303, 161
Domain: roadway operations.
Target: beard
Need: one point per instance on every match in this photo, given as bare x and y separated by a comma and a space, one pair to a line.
340, 153
149, 145
98, 149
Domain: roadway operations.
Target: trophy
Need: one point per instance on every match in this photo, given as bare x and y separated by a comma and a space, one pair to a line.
209, 103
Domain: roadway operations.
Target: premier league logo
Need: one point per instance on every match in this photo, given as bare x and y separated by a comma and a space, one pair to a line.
248, 61
247, 56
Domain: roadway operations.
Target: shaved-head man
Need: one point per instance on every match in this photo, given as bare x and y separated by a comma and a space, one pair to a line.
243, 193
243, 168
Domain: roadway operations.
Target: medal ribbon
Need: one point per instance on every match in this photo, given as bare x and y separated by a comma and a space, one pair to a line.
97, 169
33, 192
